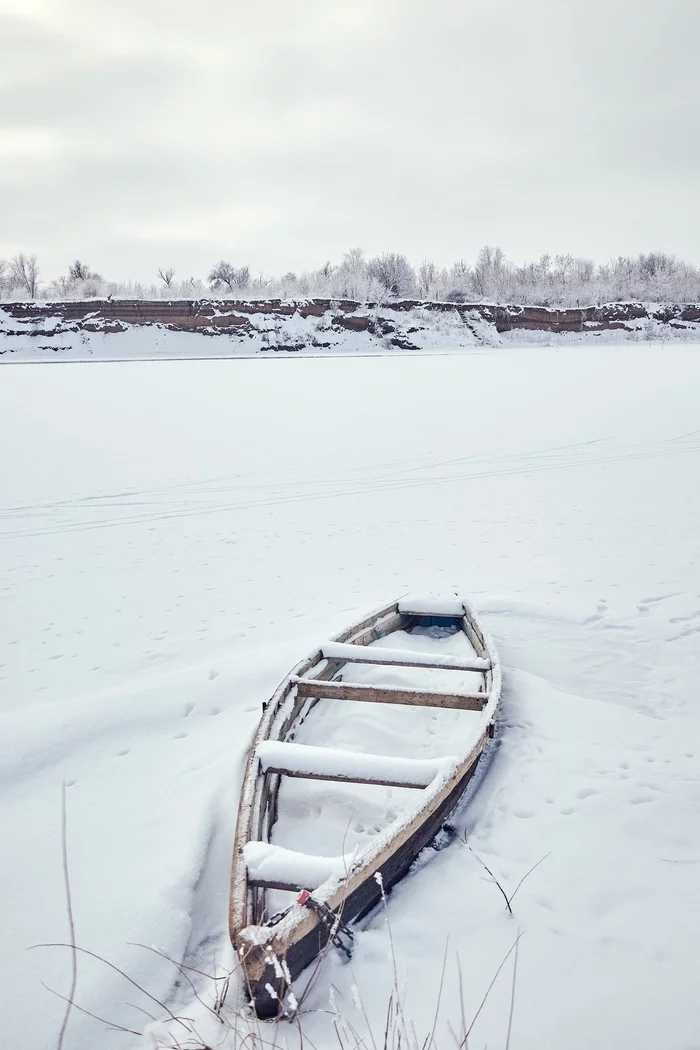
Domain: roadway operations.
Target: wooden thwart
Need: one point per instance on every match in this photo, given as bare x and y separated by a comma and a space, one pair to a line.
373, 694
363, 654
275, 884
320, 763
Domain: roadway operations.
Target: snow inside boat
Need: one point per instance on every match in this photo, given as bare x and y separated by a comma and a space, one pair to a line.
360, 756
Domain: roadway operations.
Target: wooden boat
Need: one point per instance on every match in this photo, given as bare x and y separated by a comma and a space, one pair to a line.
287, 904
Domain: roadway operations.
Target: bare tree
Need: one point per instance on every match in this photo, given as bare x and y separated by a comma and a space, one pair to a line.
80, 280
166, 276
222, 275
225, 275
190, 284
242, 279
393, 272
79, 271
24, 271
350, 278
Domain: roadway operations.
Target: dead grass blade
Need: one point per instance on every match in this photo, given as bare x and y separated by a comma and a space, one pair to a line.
71, 920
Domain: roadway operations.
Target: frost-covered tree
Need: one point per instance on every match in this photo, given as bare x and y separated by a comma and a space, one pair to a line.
458, 283
489, 272
562, 280
79, 271
427, 279
394, 273
24, 272
224, 275
350, 278
242, 279
80, 282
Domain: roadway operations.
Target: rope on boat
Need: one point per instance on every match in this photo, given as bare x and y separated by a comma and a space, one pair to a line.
337, 929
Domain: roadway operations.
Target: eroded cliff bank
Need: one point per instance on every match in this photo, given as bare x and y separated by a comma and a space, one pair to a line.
115, 328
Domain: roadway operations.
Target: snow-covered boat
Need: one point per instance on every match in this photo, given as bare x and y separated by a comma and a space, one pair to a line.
360, 756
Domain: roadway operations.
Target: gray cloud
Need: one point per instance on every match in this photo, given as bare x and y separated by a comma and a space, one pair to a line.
284, 132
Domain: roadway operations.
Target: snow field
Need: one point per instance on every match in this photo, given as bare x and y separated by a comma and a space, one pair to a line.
174, 537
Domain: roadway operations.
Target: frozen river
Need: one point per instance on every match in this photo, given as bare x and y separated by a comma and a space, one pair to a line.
175, 535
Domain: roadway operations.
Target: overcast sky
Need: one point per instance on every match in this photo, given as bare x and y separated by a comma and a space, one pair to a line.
278, 133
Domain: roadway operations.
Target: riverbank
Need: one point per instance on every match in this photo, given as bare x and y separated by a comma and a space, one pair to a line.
112, 329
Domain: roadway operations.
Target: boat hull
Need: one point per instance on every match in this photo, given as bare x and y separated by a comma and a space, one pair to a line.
273, 952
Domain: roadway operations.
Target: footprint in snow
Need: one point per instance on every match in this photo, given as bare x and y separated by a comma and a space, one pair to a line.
658, 598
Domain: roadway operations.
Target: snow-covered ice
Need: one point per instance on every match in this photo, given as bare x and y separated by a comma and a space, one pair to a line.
176, 536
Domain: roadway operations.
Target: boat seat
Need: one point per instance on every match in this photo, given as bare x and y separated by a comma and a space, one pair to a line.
326, 763
275, 867
366, 654
376, 694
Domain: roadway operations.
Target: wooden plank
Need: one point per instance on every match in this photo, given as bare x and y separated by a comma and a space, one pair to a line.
265, 884
444, 608
350, 767
363, 654
343, 779
374, 694
379, 626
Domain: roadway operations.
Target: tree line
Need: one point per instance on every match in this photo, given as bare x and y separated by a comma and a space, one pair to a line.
558, 280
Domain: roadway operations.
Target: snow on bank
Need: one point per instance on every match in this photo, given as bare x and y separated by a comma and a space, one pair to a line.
173, 540
124, 330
